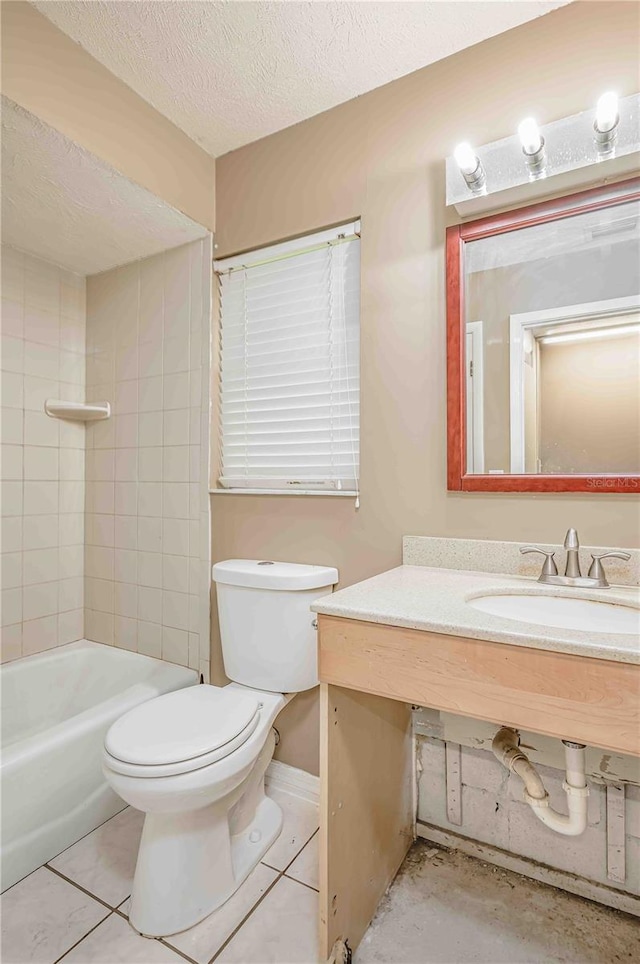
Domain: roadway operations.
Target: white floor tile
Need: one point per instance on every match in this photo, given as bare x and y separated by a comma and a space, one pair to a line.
300, 823
115, 942
305, 866
43, 916
104, 861
283, 929
205, 939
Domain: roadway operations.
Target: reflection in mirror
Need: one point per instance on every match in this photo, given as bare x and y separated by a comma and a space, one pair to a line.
552, 347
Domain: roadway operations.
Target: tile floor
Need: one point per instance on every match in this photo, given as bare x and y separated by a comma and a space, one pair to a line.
443, 908
74, 909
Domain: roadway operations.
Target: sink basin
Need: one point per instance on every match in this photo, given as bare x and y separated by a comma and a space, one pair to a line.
562, 612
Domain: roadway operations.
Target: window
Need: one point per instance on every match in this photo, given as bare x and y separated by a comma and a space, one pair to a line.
290, 365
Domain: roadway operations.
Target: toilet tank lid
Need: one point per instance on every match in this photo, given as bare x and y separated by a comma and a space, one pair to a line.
265, 574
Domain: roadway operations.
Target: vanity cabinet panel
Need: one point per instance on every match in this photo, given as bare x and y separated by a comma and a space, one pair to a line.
592, 701
366, 808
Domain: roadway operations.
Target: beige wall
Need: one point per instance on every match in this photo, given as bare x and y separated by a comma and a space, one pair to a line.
590, 406
43, 345
50, 75
147, 544
382, 157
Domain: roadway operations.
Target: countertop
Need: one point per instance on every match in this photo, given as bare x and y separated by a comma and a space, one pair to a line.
434, 600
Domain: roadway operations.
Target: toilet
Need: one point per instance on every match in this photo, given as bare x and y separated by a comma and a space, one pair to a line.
194, 760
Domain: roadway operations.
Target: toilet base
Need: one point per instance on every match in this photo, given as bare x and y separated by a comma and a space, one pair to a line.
249, 847
190, 863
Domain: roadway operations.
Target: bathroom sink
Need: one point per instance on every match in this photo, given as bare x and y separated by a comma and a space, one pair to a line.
562, 612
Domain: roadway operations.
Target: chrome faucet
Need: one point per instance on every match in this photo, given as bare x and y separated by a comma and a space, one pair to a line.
596, 579
572, 545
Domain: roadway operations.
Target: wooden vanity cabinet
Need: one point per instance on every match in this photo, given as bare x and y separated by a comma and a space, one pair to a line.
370, 676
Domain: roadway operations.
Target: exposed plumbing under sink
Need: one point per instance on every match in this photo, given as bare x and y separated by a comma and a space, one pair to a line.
506, 748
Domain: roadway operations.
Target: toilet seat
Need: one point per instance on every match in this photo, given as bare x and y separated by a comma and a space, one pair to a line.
181, 731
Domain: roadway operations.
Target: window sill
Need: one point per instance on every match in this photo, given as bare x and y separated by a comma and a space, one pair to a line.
331, 493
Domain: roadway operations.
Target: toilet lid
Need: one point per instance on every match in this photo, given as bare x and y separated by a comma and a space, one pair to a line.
182, 725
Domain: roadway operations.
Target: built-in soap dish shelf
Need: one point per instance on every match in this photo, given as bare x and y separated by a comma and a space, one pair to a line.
77, 411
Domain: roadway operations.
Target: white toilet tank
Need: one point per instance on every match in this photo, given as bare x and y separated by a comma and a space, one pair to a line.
267, 629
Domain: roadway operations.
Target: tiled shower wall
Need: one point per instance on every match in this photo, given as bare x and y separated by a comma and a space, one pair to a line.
147, 505
43, 344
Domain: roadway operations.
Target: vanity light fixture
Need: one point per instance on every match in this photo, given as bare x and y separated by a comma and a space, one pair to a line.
605, 128
588, 334
470, 167
532, 147
480, 177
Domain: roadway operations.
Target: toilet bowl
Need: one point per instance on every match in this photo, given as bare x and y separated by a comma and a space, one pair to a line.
194, 763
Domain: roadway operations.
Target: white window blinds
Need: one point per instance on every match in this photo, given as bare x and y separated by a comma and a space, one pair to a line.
290, 365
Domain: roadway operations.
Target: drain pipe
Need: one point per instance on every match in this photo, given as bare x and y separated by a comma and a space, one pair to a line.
506, 748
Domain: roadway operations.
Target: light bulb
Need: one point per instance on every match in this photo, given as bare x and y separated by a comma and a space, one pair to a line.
471, 168
465, 157
607, 112
530, 136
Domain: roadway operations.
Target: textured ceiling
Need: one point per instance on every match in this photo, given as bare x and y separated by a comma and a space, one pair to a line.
229, 72
61, 203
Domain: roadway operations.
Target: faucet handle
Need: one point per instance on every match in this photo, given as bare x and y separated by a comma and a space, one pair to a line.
549, 567
597, 572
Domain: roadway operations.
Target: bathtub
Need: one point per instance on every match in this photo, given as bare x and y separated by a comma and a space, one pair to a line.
56, 709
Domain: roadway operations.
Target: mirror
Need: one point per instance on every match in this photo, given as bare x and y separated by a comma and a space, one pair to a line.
544, 346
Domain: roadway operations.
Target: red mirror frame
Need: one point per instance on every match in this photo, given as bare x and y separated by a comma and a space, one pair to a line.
457, 236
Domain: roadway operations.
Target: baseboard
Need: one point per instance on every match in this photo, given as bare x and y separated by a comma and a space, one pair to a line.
561, 879
289, 779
